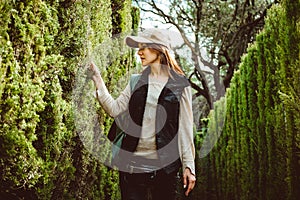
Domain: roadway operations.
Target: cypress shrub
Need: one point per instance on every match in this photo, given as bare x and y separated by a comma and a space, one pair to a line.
44, 49
261, 131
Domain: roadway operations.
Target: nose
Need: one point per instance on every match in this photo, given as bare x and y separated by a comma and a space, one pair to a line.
140, 52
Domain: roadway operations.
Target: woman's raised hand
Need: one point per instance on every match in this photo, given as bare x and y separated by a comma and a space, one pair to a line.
94, 74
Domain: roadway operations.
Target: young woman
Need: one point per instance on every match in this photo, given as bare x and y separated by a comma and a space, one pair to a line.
160, 136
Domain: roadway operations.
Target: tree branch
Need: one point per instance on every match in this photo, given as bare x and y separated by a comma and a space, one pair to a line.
200, 91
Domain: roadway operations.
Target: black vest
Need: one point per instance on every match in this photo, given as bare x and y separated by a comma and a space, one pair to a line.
167, 116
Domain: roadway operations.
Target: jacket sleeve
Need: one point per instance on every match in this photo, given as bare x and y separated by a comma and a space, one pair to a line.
113, 106
185, 131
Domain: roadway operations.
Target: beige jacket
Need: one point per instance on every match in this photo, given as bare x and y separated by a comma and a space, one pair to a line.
146, 146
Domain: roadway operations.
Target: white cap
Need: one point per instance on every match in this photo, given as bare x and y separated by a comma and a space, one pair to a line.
148, 36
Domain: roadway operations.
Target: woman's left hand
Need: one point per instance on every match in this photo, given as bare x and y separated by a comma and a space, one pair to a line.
189, 180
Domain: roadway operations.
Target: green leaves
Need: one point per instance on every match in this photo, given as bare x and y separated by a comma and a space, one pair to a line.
259, 143
42, 43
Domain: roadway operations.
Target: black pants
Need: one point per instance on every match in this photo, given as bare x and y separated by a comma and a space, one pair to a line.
146, 186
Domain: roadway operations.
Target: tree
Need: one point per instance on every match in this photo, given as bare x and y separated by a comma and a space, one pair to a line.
221, 29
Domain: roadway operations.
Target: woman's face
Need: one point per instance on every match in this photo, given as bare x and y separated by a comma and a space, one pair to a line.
148, 56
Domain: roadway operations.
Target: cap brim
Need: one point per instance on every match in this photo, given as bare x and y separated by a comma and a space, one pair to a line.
134, 41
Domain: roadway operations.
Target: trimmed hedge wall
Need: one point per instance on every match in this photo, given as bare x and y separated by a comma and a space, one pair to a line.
257, 154
43, 45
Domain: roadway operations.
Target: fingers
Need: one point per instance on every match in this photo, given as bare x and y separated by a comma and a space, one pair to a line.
185, 181
191, 185
93, 73
92, 70
93, 67
189, 181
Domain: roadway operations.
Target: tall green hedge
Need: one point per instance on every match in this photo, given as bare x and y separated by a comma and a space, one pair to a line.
257, 155
44, 44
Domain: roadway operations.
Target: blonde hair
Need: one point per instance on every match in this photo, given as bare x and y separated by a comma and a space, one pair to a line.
166, 60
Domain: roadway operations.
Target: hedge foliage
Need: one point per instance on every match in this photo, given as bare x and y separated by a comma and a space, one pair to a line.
44, 47
257, 154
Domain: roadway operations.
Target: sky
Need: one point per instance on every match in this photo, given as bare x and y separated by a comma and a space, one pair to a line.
150, 20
